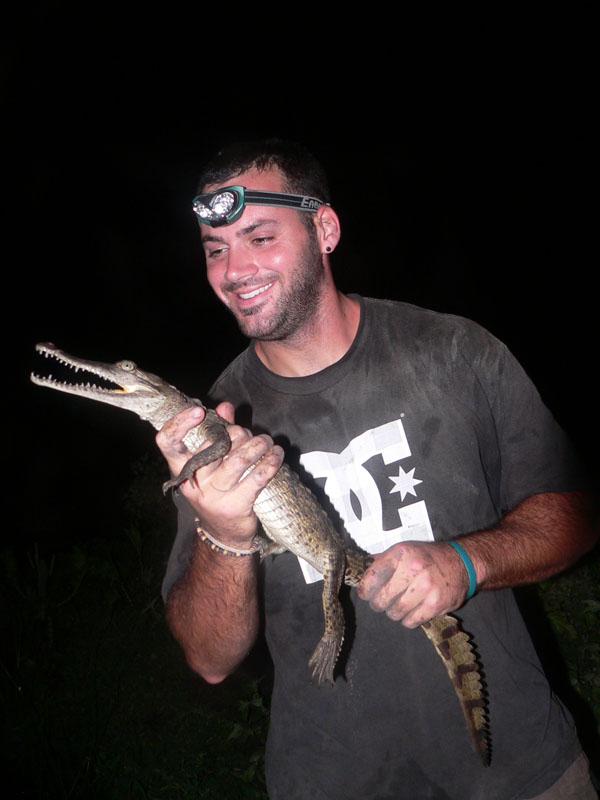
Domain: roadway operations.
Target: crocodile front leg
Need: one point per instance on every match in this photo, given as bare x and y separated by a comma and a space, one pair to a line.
217, 449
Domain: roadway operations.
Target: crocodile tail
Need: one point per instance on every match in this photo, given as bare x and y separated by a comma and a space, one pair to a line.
455, 650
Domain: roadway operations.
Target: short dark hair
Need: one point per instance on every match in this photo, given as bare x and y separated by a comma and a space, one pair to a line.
300, 170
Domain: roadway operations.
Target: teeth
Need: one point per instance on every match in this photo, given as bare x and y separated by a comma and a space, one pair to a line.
84, 387
248, 295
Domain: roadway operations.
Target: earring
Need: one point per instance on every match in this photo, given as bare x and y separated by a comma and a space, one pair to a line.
328, 249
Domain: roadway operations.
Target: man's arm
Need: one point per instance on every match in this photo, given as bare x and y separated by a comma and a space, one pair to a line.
212, 611
415, 581
213, 608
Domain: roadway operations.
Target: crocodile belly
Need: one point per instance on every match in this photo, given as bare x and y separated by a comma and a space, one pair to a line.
291, 516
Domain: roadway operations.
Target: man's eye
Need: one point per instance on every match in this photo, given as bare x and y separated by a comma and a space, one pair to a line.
215, 253
262, 240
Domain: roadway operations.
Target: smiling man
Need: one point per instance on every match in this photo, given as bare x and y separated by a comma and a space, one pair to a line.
269, 271
272, 270
416, 428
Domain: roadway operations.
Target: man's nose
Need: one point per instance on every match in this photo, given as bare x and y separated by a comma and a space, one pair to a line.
240, 265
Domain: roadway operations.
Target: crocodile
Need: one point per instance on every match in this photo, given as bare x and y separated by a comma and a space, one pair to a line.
291, 518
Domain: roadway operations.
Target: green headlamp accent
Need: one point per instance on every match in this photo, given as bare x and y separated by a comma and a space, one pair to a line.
225, 205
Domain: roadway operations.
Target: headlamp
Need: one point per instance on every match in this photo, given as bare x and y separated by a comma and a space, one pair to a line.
225, 205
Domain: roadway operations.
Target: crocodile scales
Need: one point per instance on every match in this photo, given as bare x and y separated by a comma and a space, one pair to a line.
291, 518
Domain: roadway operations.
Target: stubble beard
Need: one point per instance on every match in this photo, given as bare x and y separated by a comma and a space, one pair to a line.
296, 307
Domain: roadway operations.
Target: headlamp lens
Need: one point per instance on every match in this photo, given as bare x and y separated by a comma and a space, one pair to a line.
218, 208
222, 203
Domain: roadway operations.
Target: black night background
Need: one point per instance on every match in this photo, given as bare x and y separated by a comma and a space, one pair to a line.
462, 183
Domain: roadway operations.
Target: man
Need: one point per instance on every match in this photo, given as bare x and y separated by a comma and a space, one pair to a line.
420, 428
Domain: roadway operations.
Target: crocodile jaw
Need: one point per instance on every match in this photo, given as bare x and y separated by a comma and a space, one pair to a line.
137, 391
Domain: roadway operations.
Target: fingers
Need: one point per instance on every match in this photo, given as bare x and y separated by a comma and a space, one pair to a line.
226, 411
412, 582
374, 586
223, 491
244, 463
224, 496
387, 587
170, 438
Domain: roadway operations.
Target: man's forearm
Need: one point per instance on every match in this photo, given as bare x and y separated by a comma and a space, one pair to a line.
543, 535
213, 611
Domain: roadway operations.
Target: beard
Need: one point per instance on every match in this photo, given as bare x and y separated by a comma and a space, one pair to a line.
295, 307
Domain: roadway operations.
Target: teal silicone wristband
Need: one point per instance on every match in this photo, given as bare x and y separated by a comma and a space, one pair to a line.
464, 557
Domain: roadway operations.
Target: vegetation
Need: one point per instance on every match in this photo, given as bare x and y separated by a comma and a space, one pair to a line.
566, 631
98, 702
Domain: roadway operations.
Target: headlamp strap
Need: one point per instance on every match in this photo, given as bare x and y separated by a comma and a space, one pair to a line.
225, 205
298, 201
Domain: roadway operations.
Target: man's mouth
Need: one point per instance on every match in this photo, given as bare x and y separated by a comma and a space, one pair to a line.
255, 292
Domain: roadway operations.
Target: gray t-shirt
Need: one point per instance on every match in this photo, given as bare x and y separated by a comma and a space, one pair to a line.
427, 428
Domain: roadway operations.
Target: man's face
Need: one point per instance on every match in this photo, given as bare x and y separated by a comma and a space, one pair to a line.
266, 266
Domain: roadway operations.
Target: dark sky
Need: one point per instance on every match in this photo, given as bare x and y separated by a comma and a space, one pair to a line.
461, 181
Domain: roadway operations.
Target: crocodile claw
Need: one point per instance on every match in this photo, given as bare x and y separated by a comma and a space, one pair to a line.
323, 659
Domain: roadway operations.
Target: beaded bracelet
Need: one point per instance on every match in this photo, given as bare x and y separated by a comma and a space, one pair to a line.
219, 547
466, 559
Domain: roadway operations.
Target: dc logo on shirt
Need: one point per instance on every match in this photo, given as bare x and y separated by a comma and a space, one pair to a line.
357, 497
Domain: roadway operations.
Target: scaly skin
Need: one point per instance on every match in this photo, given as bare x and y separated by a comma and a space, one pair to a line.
292, 519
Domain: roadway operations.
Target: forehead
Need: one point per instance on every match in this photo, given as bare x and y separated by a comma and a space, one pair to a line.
253, 216
269, 180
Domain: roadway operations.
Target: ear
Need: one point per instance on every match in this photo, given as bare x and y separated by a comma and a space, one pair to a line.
327, 224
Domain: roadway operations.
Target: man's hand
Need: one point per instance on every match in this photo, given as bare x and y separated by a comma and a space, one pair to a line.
222, 501
545, 533
415, 581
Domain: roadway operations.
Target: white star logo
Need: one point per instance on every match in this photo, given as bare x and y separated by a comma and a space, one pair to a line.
404, 483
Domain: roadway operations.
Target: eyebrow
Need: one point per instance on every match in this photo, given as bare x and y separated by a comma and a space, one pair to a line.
211, 237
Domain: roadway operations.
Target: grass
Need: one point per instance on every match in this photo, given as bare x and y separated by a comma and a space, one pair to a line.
99, 703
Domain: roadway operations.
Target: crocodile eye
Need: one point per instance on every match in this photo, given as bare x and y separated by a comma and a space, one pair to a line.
129, 366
